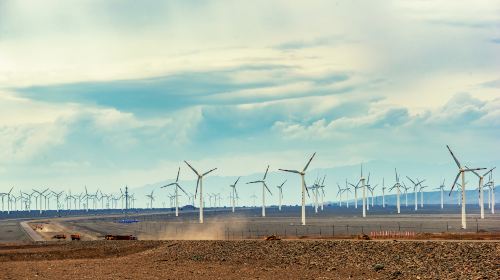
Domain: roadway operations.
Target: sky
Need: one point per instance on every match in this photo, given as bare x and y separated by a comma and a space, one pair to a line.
114, 93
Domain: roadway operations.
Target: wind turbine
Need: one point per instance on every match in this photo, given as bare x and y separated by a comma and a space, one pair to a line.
199, 183
415, 190
347, 191
302, 174
441, 189
254, 197
264, 187
383, 193
40, 197
422, 196
151, 199
371, 189
356, 187
363, 186
177, 186
491, 186
406, 193
339, 194
8, 200
322, 186
461, 171
315, 188
234, 194
280, 188
481, 195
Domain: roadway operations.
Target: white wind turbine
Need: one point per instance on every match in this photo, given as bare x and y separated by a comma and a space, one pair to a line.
315, 189
383, 193
406, 193
322, 186
481, 195
422, 196
367, 188
356, 187
441, 189
397, 186
339, 194
304, 189
177, 187
234, 194
461, 171
199, 183
151, 199
8, 200
347, 191
415, 190
372, 189
363, 186
40, 197
280, 188
264, 188
491, 186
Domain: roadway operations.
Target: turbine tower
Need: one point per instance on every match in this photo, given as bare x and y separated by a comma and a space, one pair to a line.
199, 183
264, 188
302, 174
461, 171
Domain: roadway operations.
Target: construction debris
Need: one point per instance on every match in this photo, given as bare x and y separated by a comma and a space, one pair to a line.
272, 237
120, 237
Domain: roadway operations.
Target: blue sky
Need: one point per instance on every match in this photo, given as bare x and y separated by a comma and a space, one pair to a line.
112, 93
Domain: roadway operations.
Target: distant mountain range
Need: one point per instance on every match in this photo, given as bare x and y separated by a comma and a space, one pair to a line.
434, 197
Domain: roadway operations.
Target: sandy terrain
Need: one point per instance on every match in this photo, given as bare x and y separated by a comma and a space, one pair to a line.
251, 260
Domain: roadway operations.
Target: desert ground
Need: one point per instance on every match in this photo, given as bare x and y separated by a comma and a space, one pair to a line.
233, 246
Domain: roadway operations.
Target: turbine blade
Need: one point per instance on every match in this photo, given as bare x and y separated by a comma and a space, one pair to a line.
452, 186
283, 183
456, 160
236, 181
265, 174
197, 183
178, 172
491, 170
267, 188
288, 170
474, 169
411, 180
168, 185
194, 170
182, 189
309, 162
253, 182
209, 171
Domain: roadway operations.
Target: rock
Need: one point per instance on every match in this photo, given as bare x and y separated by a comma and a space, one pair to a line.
378, 266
